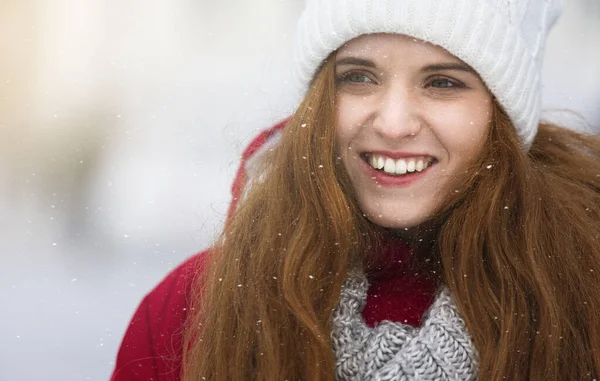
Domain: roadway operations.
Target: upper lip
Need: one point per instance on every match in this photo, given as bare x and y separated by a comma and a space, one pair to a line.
398, 155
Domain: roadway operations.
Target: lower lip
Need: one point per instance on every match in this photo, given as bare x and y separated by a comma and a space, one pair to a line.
384, 179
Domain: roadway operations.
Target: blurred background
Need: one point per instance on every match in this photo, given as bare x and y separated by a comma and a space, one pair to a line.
121, 124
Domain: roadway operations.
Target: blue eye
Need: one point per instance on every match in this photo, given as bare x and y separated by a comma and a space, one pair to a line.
441, 83
354, 77
444, 83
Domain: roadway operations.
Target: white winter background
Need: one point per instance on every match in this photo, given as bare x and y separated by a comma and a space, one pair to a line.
121, 124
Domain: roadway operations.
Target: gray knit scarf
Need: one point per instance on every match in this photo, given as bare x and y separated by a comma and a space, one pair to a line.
441, 349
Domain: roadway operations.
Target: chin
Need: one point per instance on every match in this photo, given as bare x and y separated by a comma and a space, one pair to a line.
397, 222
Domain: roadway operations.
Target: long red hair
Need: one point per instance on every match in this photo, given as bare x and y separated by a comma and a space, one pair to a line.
519, 248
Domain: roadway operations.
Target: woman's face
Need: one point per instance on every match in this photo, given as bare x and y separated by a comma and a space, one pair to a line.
410, 118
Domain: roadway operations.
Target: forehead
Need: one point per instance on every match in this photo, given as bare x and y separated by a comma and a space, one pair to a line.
384, 46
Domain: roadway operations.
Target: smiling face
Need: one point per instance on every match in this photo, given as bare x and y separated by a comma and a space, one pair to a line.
410, 118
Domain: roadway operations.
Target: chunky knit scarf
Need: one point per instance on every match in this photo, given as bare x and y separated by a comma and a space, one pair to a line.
441, 349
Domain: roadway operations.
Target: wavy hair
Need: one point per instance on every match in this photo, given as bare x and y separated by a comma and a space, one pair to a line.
519, 248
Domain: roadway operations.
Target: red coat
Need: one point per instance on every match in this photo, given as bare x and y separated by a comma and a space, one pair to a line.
152, 346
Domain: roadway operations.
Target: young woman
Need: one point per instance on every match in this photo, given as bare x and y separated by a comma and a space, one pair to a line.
412, 220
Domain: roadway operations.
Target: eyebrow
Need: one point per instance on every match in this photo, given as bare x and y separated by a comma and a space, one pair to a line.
355, 61
429, 68
450, 66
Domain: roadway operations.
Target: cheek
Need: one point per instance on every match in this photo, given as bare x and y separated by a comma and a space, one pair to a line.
462, 130
342, 140
347, 122
352, 110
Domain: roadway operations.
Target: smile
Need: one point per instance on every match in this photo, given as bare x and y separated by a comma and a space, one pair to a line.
398, 167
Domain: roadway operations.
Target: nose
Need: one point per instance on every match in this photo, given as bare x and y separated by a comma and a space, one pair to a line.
398, 115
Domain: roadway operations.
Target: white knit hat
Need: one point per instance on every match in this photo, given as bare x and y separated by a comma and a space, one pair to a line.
503, 40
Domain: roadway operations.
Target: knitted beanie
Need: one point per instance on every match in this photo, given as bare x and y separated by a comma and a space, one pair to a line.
503, 40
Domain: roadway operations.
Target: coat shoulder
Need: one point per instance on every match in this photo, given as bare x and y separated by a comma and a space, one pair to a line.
152, 347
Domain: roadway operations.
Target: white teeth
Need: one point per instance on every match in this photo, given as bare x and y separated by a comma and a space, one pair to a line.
400, 167
373, 161
390, 166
